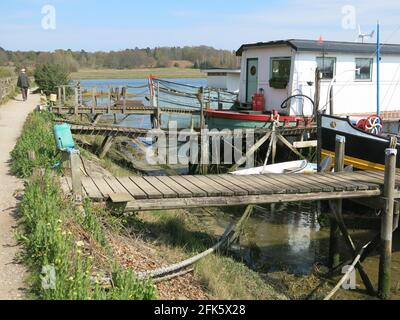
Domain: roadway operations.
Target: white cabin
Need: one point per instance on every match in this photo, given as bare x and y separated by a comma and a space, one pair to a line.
225, 79
350, 68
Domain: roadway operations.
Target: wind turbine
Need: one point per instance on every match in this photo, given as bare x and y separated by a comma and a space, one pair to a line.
363, 36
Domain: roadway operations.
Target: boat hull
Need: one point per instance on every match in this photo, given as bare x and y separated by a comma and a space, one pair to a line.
364, 151
221, 120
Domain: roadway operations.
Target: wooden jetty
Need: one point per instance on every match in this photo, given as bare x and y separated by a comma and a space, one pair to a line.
381, 189
174, 192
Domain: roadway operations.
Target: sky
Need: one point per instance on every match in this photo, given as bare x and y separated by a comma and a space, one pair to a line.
224, 24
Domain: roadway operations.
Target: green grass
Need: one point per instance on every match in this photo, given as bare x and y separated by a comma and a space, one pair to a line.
6, 72
46, 220
223, 276
137, 73
58, 236
38, 137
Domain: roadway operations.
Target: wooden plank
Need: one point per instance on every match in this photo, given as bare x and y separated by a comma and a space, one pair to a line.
281, 178
163, 188
195, 190
103, 187
91, 189
305, 144
338, 186
235, 188
115, 185
303, 181
340, 178
342, 183
259, 184
288, 188
365, 177
166, 204
211, 190
225, 191
349, 176
240, 182
306, 178
152, 193
176, 187
132, 188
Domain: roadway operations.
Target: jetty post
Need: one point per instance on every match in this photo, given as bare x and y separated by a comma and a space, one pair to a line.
385, 262
334, 256
75, 162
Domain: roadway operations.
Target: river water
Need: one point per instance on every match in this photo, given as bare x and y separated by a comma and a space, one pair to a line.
282, 237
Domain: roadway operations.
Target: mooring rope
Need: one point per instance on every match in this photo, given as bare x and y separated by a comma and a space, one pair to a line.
184, 264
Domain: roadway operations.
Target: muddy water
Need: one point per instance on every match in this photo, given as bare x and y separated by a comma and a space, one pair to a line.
289, 238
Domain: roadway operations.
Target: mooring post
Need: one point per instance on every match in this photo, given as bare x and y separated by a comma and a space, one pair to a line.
94, 100
334, 256
124, 89
64, 95
385, 262
76, 100
75, 160
59, 96
158, 107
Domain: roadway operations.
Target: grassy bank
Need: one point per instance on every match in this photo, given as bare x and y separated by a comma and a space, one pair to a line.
137, 73
66, 246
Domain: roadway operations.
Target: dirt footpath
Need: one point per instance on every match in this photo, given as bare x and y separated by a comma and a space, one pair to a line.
12, 118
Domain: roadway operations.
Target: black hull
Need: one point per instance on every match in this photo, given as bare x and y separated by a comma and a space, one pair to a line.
364, 151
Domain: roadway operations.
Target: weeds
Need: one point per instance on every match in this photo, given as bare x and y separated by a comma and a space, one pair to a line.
49, 244
37, 136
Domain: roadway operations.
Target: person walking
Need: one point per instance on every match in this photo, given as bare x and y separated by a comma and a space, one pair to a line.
23, 84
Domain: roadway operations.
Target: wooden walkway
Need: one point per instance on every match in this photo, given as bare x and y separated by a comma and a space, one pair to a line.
173, 192
115, 131
131, 108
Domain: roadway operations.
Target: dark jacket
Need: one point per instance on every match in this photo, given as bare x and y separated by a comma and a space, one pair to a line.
23, 81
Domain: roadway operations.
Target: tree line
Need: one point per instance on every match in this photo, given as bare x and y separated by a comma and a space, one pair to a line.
198, 57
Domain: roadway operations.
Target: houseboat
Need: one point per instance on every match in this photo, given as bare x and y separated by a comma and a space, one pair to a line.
272, 72
224, 79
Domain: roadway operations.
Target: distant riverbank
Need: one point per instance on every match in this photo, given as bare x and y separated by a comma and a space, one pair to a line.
137, 73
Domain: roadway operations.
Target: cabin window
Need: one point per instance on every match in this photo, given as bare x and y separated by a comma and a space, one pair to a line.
365, 69
280, 68
327, 67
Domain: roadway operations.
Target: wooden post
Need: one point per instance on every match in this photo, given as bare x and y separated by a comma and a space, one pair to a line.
94, 101
31, 155
109, 100
205, 152
64, 95
317, 94
334, 256
158, 106
59, 96
105, 147
76, 101
385, 262
219, 100
331, 106
75, 161
201, 100
124, 99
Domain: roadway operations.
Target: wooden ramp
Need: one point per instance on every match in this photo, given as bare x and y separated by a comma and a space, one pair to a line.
173, 192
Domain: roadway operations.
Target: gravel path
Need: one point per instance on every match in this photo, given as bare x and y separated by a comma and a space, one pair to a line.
12, 118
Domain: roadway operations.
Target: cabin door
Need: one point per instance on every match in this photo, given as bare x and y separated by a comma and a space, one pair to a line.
252, 79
